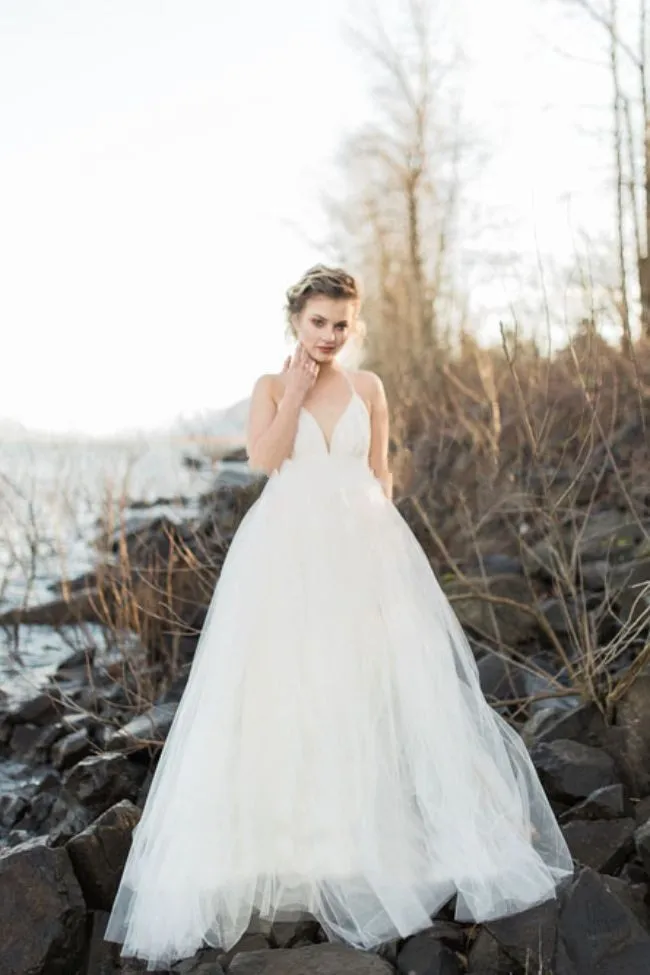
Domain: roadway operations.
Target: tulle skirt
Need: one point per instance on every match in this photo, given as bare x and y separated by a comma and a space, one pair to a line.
332, 753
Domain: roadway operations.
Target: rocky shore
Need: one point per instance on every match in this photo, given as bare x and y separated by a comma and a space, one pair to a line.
77, 755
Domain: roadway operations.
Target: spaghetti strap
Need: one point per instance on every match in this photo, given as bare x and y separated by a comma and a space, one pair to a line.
346, 373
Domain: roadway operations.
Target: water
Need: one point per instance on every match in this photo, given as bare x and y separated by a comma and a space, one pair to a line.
52, 495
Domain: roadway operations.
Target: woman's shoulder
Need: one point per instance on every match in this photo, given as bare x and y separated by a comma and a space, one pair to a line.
367, 383
269, 384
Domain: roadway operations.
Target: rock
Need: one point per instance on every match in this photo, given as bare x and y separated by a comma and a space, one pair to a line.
142, 536
642, 810
500, 679
162, 501
629, 582
67, 818
254, 939
497, 563
88, 580
152, 725
32, 742
19, 784
642, 844
285, 934
486, 957
42, 912
595, 575
569, 770
514, 623
545, 716
584, 724
633, 720
561, 615
77, 608
99, 852
17, 836
451, 933
597, 934
631, 894
175, 691
11, 809
194, 463
99, 781
633, 872
606, 803
529, 936
234, 476
101, 954
424, 954
224, 507
323, 959
76, 660
37, 812
597, 536
76, 720
603, 844
203, 963
543, 684
39, 708
237, 455
71, 749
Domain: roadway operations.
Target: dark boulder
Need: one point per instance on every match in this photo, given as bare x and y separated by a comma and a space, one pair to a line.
597, 934
99, 852
99, 781
604, 844
42, 911
569, 770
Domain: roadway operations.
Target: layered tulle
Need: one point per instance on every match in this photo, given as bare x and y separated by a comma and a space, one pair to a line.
333, 752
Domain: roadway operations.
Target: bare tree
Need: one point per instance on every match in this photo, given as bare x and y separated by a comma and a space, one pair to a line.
397, 221
633, 209
619, 119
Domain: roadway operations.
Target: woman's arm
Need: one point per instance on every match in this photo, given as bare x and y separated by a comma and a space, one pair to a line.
272, 426
379, 427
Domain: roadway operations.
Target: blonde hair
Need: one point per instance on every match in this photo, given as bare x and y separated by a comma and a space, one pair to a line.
333, 282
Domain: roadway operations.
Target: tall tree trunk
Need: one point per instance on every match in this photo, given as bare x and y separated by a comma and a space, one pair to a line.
644, 259
620, 202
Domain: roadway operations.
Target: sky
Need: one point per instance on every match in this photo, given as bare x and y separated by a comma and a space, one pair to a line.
161, 166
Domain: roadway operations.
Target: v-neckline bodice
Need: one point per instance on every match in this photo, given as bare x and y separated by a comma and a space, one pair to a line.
328, 444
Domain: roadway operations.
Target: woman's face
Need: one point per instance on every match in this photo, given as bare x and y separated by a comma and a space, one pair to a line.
324, 325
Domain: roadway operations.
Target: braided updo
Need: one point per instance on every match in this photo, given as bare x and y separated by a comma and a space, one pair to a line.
333, 282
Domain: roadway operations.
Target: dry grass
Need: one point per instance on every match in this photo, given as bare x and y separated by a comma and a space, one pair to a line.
497, 453
505, 452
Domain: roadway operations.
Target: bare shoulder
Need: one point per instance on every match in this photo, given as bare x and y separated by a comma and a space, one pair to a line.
369, 385
269, 386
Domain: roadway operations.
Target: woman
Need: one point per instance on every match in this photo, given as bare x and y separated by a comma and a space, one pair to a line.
333, 752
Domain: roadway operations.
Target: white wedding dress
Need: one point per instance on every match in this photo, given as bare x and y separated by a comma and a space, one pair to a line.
332, 753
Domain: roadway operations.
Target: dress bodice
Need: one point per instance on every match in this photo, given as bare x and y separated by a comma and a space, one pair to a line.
350, 436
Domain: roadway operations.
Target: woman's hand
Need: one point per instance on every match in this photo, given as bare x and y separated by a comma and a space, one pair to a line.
301, 372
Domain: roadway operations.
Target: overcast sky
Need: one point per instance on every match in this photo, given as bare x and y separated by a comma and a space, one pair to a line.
160, 170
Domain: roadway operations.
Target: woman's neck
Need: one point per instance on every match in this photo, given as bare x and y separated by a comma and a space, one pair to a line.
328, 368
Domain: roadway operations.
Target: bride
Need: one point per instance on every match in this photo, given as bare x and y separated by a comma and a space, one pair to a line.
333, 752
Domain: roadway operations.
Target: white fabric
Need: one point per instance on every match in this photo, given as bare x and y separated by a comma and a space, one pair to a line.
333, 752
